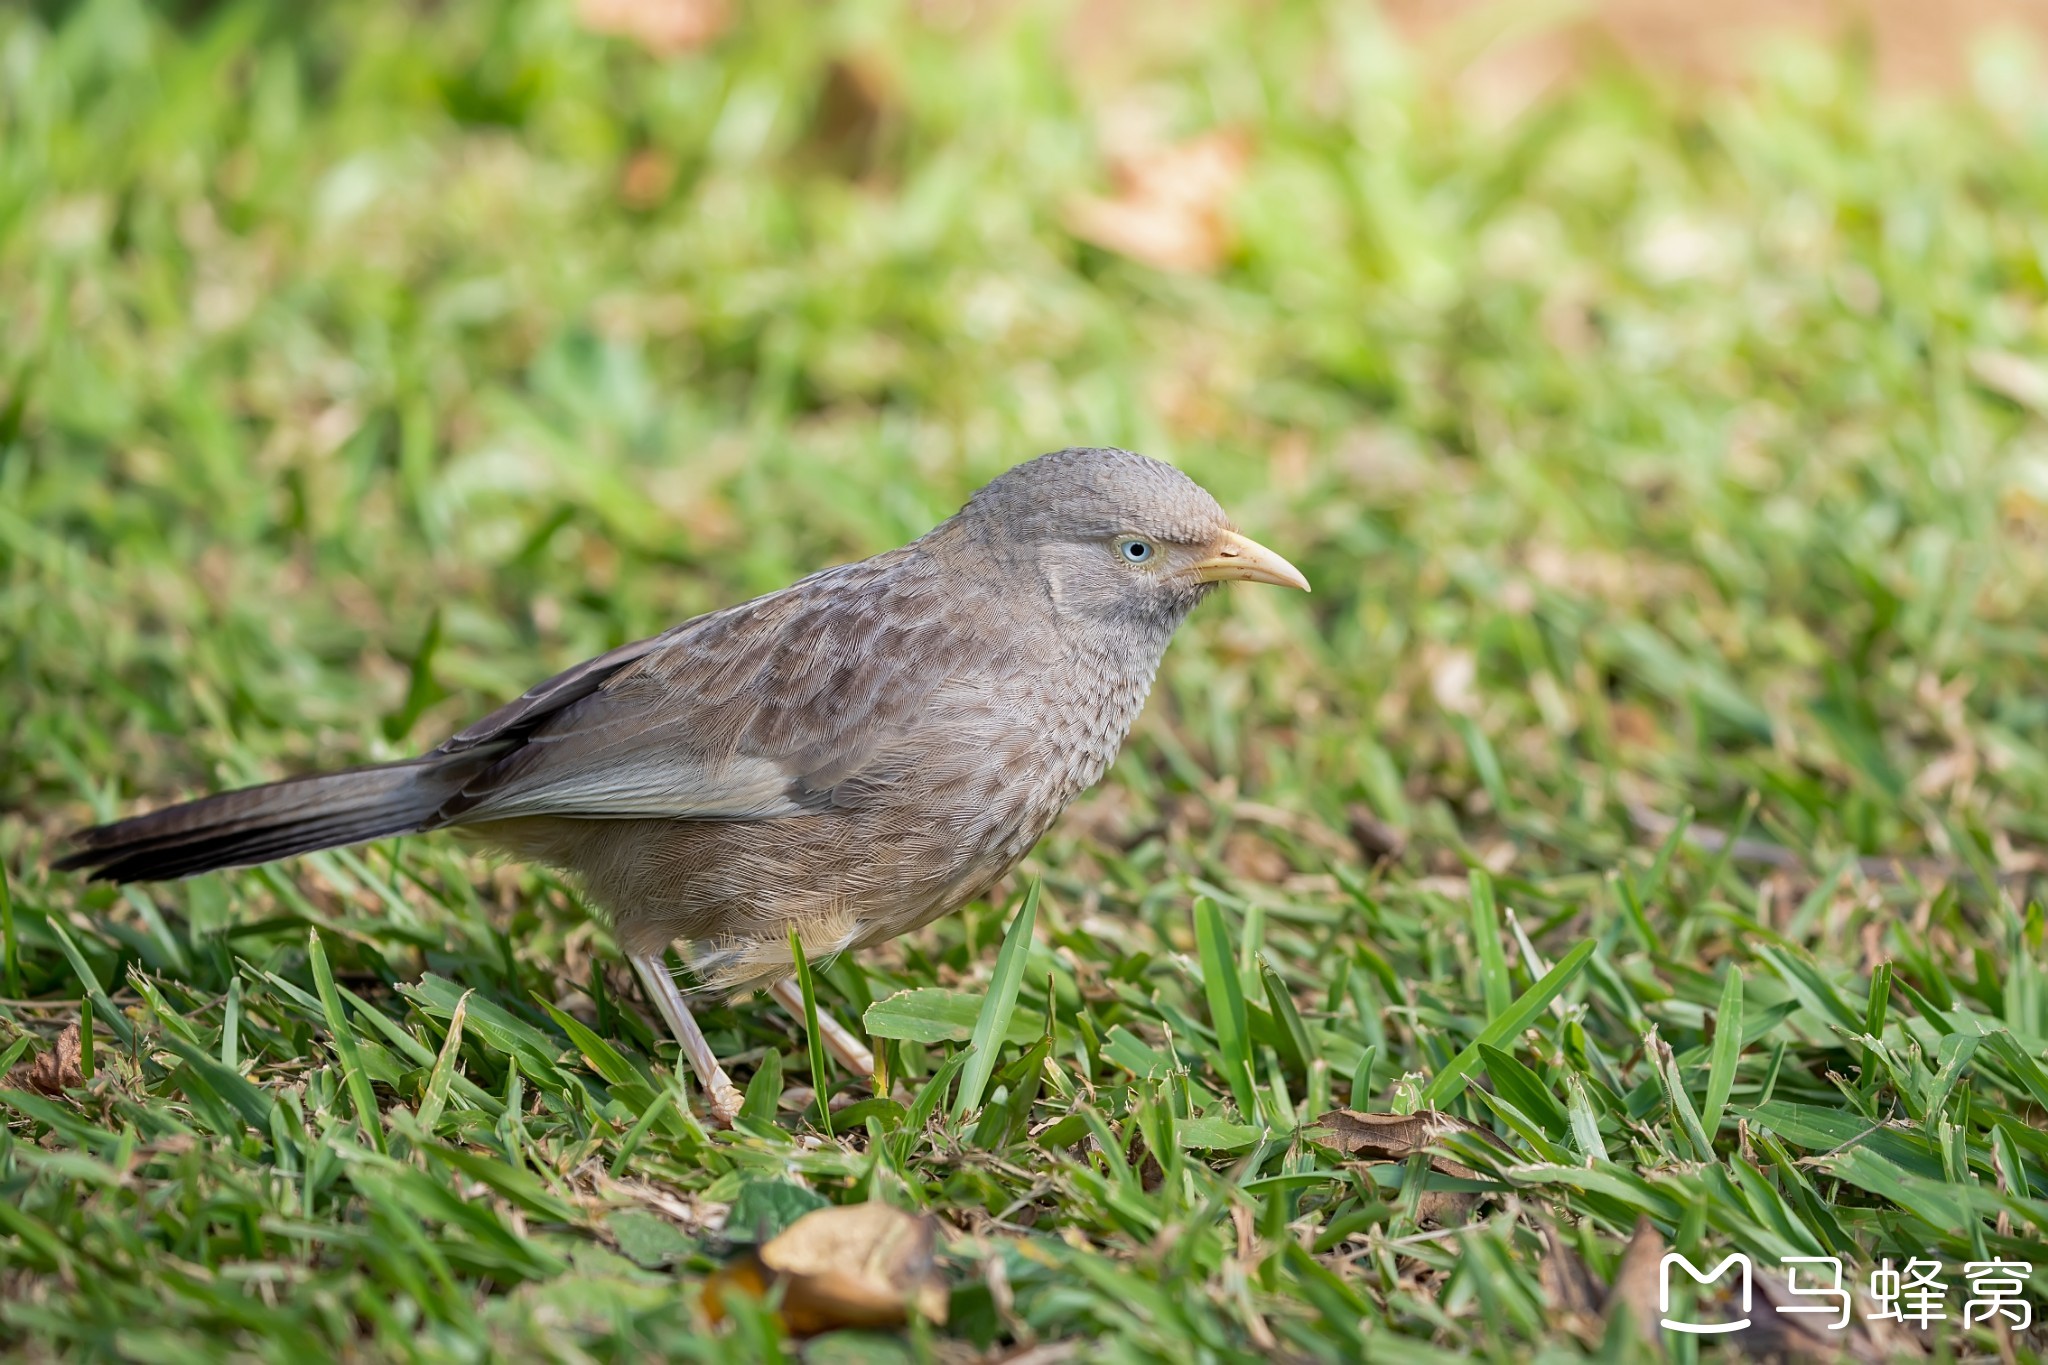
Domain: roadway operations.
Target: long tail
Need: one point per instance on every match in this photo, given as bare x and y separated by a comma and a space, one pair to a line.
259, 824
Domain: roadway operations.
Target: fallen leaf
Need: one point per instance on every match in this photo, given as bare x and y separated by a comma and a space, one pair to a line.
847, 127
1453, 674
667, 28
1568, 1285
866, 1266
1169, 208
1803, 1335
1382, 1138
1634, 724
648, 177
1774, 1335
1376, 839
1251, 859
2013, 377
1638, 1281
55, 1071
1396, 1137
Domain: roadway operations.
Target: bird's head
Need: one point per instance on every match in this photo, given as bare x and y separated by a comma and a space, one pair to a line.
1115, 537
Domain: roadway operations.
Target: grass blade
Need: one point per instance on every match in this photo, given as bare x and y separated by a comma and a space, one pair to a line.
231, 1027
1226, 1005
933, 1014
1451, 1081
1727, 1052
1875, 1010
1730, 841
1585, 1123
1666, 1066
1299, 1040
1493, 965
358, 1081
997, 1006
10, 951
1950, 1057
813, 1040
1524, 1089
443, 1075
116, 1020
1815, 991
664, 1101
1652, 884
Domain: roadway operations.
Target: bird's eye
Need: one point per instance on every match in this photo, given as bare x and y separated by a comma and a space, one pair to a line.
1136, 551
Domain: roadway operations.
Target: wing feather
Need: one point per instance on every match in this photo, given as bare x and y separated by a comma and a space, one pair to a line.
778, 706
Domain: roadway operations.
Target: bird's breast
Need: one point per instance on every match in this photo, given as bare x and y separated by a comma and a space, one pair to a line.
1048, 734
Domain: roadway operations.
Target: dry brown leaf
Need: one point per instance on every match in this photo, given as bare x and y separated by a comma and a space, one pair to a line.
1453, 678
853, 112
667, 28
1445, 1208
1906, 45
1569, 1286
1380, 1138
1169, 211
1396, 1137
2013, 377
1634, 724
1376, 839
648, 177
1799, 1335
1251, 859
854, 1266
55, 1071
1637, 1280
1771, 1335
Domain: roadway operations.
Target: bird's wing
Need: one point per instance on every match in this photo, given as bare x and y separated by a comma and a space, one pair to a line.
760, 710
516, 719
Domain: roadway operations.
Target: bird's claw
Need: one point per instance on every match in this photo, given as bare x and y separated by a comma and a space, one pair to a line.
722, 1103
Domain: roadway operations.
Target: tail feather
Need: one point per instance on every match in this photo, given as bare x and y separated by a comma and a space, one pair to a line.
238, 848
260, 824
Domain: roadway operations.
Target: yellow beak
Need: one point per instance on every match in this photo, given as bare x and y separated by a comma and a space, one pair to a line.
1243, 559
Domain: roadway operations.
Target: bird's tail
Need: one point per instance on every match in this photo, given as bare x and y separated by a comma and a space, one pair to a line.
259, 824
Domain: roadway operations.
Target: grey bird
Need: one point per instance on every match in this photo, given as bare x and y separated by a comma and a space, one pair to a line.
852, 757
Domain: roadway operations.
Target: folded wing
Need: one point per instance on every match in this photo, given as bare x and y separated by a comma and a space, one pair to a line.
764, 709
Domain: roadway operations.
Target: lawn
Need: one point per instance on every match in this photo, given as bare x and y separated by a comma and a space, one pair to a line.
1656, 781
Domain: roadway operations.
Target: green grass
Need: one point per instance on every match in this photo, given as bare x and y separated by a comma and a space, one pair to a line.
1656, 456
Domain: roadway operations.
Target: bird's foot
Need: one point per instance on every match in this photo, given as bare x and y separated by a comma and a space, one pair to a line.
722, 1101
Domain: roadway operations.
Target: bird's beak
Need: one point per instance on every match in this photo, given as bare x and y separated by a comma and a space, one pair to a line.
1243, 559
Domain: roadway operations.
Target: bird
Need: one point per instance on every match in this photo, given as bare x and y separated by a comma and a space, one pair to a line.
848, 758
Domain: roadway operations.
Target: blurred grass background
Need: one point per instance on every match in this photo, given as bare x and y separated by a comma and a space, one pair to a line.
1659, 451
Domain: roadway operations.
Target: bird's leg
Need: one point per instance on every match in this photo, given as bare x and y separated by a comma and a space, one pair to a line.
839, 1039
722, 1098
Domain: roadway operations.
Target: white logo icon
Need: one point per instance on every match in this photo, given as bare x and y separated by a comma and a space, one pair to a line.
1672, 1258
